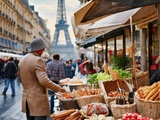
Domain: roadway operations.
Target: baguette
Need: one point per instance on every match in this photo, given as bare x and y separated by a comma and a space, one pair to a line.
152, 92
62, 113
74, 116
154, 96
60, 118
81, 117
148, 90
157, 98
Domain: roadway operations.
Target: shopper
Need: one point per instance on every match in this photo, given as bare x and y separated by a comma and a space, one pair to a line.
10, 71
87, 67
32, 74
55, 71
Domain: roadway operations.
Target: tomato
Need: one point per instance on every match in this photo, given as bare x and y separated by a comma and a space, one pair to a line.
129, 115
124, 118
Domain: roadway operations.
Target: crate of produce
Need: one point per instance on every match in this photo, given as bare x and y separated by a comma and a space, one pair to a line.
108, 87
67, 101
147, 99
86, 96
119, 110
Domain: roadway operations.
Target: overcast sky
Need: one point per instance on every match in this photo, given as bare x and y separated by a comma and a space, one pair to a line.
47, 9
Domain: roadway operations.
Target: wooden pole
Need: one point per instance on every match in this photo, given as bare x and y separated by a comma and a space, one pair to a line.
134, 81
158, 14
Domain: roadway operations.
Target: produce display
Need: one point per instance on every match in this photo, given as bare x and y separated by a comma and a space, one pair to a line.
75, 80
95, 108
134, 116
65, 95
150, 92
114, 93
85, 92
109, 75
72, 114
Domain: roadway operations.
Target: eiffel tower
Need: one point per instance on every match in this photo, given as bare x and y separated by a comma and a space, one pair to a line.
66, 51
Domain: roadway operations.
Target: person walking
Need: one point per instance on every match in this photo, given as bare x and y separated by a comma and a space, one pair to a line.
73, 67
68, 71
35, 82
55, 71
10, 71
1, 70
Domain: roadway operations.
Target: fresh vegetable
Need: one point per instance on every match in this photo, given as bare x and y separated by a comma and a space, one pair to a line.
92, 78
104, 76
124, 73
134, 116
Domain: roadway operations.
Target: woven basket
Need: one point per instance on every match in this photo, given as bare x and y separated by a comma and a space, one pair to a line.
68, 104
119, 110
142, 78
82, 101
147, 108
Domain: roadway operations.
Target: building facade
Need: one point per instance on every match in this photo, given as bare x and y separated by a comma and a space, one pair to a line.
19, 25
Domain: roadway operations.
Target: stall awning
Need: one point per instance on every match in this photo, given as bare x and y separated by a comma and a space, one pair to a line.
140, 17
80, 13
89, 41
111, 22
97, 9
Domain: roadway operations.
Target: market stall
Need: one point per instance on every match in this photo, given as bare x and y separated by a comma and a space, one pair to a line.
109, 95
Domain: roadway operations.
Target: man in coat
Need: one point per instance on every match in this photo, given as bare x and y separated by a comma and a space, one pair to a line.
32, 74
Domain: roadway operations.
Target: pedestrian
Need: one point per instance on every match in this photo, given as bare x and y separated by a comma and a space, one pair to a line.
1, 70
35, 82
68, 71
73, 67
10, 71
55, 71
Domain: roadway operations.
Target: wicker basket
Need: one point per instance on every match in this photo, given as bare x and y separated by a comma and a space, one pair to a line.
107, 86
66, 104
148, 108
119, 110
142, 78
82, 101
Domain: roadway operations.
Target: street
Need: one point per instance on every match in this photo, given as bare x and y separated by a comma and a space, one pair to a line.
10, 107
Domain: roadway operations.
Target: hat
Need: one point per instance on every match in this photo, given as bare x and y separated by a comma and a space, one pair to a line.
37, 44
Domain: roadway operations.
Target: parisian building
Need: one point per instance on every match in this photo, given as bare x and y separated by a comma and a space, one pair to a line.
19, 25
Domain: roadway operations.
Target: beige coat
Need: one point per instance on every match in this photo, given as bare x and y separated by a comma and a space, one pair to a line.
32, 73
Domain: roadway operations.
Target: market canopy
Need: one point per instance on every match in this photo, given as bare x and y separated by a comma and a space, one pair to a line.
111, 22
140, 16
3, 54
97, 9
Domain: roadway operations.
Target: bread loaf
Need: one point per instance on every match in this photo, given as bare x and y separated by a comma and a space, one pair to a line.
152, 92
62, 113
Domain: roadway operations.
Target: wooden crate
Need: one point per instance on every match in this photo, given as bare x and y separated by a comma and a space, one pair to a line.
107, 86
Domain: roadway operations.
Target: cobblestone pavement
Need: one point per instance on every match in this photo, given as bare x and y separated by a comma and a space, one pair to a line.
10, 107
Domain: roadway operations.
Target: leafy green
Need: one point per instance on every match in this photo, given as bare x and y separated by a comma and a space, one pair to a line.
92, 78
124, 73
104, 76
